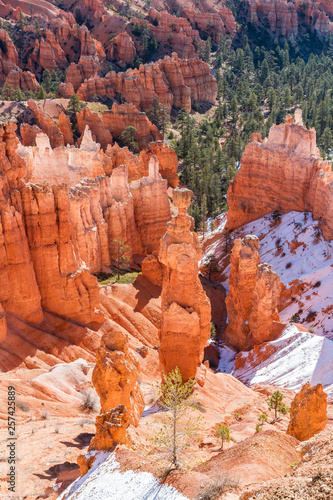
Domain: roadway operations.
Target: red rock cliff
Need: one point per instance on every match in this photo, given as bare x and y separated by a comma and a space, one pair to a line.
186, 312
284, 172
173, 81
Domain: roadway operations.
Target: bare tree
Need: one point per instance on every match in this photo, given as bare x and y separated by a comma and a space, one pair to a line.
120, 253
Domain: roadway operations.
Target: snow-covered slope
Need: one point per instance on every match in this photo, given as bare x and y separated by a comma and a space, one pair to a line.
290, 361
304, 261
104, 482
297, 251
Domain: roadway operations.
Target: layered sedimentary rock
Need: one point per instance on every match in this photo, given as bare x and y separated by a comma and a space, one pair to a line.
47, 53
19, 292
151, 206
100, 134
284, 172
62, 164
8, 55
123, 49
173, 30
65, 128
77, 73
120, 212
290, 18
173, 81
167, 159
280, 15
124, 115
308, 412
46, 124
65, 284
61, 210
123, 156
115, 376
212, 23
186, 311
111, 429
253, 297
22, 79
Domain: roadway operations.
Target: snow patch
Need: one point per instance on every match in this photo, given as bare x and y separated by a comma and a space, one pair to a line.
104, 482
289, 362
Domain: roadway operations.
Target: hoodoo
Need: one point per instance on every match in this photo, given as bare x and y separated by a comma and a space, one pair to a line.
253, 297
283, 172
186, 311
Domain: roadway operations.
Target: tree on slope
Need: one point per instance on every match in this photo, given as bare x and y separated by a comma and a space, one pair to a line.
223, 433
178, 429
276, 404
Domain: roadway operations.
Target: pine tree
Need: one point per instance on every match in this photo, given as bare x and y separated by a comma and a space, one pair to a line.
128, 137
120, 254
178, 430
223, 433
275, 403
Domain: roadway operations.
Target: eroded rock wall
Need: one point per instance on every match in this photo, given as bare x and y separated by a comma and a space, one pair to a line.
173, 81
284, 172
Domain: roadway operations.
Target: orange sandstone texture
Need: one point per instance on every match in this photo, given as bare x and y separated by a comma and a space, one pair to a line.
173, 81
121, 116
8, 55
167, 158
186, 311
111, 429
3, 323
253, 297
24, 80
284, 172
151, 207
308, 412
115, 376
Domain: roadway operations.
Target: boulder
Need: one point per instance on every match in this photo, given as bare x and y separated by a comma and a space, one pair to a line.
308, 412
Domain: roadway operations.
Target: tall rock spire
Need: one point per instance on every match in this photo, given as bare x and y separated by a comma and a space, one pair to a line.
186, 312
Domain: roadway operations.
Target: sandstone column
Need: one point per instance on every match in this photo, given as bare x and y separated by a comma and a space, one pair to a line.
115, 378
253, 297
186, 312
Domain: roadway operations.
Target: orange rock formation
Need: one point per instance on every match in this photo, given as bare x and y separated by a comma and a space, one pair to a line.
173, 30
123, 49
123, 115
288, 18
115, 376
253, 297
283, 172
23, 80
8, 55
111, 428
167, 158
151, 206
186, 312
308, 412
173, 81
